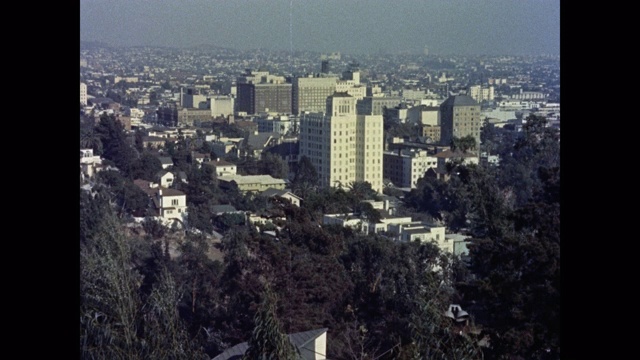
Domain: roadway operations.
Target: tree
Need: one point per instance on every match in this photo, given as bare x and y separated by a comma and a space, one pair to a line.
305, 179
116, 146
267, 340
273, 165
464, 144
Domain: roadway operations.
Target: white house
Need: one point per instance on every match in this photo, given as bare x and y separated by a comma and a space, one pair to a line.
167, 203
164, 178
89, 163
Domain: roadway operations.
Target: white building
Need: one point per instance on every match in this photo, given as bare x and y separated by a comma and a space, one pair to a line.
83, 94
480, 94
221, 105
278, 124
167, 203
405, 168
343, 146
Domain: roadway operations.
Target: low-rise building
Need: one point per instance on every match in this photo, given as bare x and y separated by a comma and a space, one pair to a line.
251, 183
405, 167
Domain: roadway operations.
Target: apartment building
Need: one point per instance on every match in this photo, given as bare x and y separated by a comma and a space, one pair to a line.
344, 147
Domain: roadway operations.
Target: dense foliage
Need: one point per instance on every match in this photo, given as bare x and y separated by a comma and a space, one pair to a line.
156, 293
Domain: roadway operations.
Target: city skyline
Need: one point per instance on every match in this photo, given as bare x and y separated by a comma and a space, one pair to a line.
451, 27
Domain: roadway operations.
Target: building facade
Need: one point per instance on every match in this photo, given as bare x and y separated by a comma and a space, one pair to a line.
480, 94
257, 92
309, 94
459, 117
343, 146
83, 94
405, 167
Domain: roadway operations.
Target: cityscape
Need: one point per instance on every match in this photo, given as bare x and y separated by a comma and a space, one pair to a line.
283, 203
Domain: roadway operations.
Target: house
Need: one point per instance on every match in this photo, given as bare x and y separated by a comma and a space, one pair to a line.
286, 194
89, 163
167, 203
257, 142
222, 167
164, 178
251, 183
311, 344
166, 161
419, 231
199, 158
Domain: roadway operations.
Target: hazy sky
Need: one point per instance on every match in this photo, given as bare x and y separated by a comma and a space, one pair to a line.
495, 27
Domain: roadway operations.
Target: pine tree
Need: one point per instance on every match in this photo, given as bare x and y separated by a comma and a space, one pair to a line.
268, 341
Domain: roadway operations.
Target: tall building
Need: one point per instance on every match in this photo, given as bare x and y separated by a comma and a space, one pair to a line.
83, 94
344, 147
480, 94
459, 117
310, 93
260, 92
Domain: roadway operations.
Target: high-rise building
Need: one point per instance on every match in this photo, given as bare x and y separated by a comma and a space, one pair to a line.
344, 147
459, 117
310, 93
260, 92
83, 94
480, 94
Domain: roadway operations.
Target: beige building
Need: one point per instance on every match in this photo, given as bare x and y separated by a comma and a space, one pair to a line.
459, 117
480, 94
343, 146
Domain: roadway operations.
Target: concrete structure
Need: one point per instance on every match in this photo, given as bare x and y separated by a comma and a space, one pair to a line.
192, 99
221, 105
405, 167
459, 117
343, 146
375, 105
260, 92
424, 115
280, 124
420, 231
83, 94
309, 94
480, 94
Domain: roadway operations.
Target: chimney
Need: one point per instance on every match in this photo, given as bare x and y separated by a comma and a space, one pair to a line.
159, 192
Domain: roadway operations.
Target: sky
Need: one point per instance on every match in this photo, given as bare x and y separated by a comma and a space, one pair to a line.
444, 27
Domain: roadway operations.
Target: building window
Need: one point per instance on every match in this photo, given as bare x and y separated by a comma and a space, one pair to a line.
174, 201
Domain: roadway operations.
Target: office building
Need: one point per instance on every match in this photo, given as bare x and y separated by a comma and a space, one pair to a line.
258, 91
309, 94
459, 117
